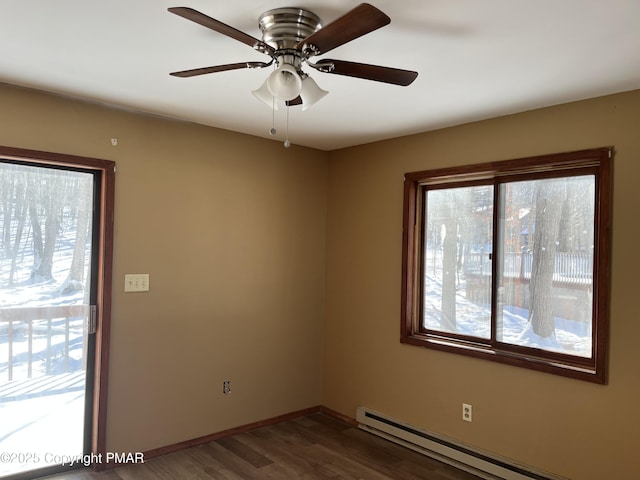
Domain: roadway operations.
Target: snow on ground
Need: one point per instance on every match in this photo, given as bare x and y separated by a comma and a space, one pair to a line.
43, 424
473, 319
38, 292
40, 428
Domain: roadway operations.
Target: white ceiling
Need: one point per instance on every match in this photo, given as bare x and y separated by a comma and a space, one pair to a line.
476, 60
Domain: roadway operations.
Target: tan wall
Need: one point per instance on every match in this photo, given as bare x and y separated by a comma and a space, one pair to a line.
231, 229
577, 429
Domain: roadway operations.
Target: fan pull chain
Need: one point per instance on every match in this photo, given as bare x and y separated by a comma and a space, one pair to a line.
287, 143
273, 130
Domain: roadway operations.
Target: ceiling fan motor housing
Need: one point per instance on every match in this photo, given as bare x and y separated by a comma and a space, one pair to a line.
284, 28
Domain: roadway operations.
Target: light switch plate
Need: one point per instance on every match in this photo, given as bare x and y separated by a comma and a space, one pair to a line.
136, 282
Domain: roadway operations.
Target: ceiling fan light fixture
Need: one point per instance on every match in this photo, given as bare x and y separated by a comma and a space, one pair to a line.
285, 83
264, 95
311, 93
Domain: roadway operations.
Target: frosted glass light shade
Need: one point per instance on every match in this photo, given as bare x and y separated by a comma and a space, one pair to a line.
264, 95
285, 83
311, 93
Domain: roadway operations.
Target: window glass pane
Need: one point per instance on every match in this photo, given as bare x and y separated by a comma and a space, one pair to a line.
456, 260
546, 236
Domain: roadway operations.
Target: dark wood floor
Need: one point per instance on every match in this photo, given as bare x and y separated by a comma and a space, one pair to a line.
313, 447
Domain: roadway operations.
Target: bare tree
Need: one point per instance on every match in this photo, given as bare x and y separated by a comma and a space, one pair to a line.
75, 279
20, 214
449, 265
7, 188
549, 198
33, 199
52, 202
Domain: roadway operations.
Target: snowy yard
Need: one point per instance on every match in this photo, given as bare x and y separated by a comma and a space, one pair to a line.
473, 319
43, 312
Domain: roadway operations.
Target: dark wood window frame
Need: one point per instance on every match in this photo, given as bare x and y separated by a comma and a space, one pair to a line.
106, 170
594, 161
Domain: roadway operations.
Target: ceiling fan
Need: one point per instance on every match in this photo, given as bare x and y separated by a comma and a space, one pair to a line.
291, 37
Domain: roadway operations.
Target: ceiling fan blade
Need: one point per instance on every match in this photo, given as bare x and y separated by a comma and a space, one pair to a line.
218, 26
361, 20
395, 76
219, 68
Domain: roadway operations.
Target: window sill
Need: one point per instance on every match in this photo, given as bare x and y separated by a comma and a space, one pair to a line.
560, 366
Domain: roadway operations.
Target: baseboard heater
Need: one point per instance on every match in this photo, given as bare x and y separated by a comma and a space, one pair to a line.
461, 456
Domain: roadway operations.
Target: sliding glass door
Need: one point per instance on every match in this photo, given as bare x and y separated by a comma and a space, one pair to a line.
49, 232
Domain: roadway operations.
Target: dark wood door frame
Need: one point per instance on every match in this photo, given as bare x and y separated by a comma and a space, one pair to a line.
106, 170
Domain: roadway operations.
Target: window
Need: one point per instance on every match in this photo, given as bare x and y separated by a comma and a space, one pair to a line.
509, 261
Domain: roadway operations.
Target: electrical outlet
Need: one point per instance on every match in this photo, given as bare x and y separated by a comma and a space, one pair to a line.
226, 387
467, 412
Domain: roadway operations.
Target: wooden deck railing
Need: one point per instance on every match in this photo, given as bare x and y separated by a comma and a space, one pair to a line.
30, 326
570, 269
